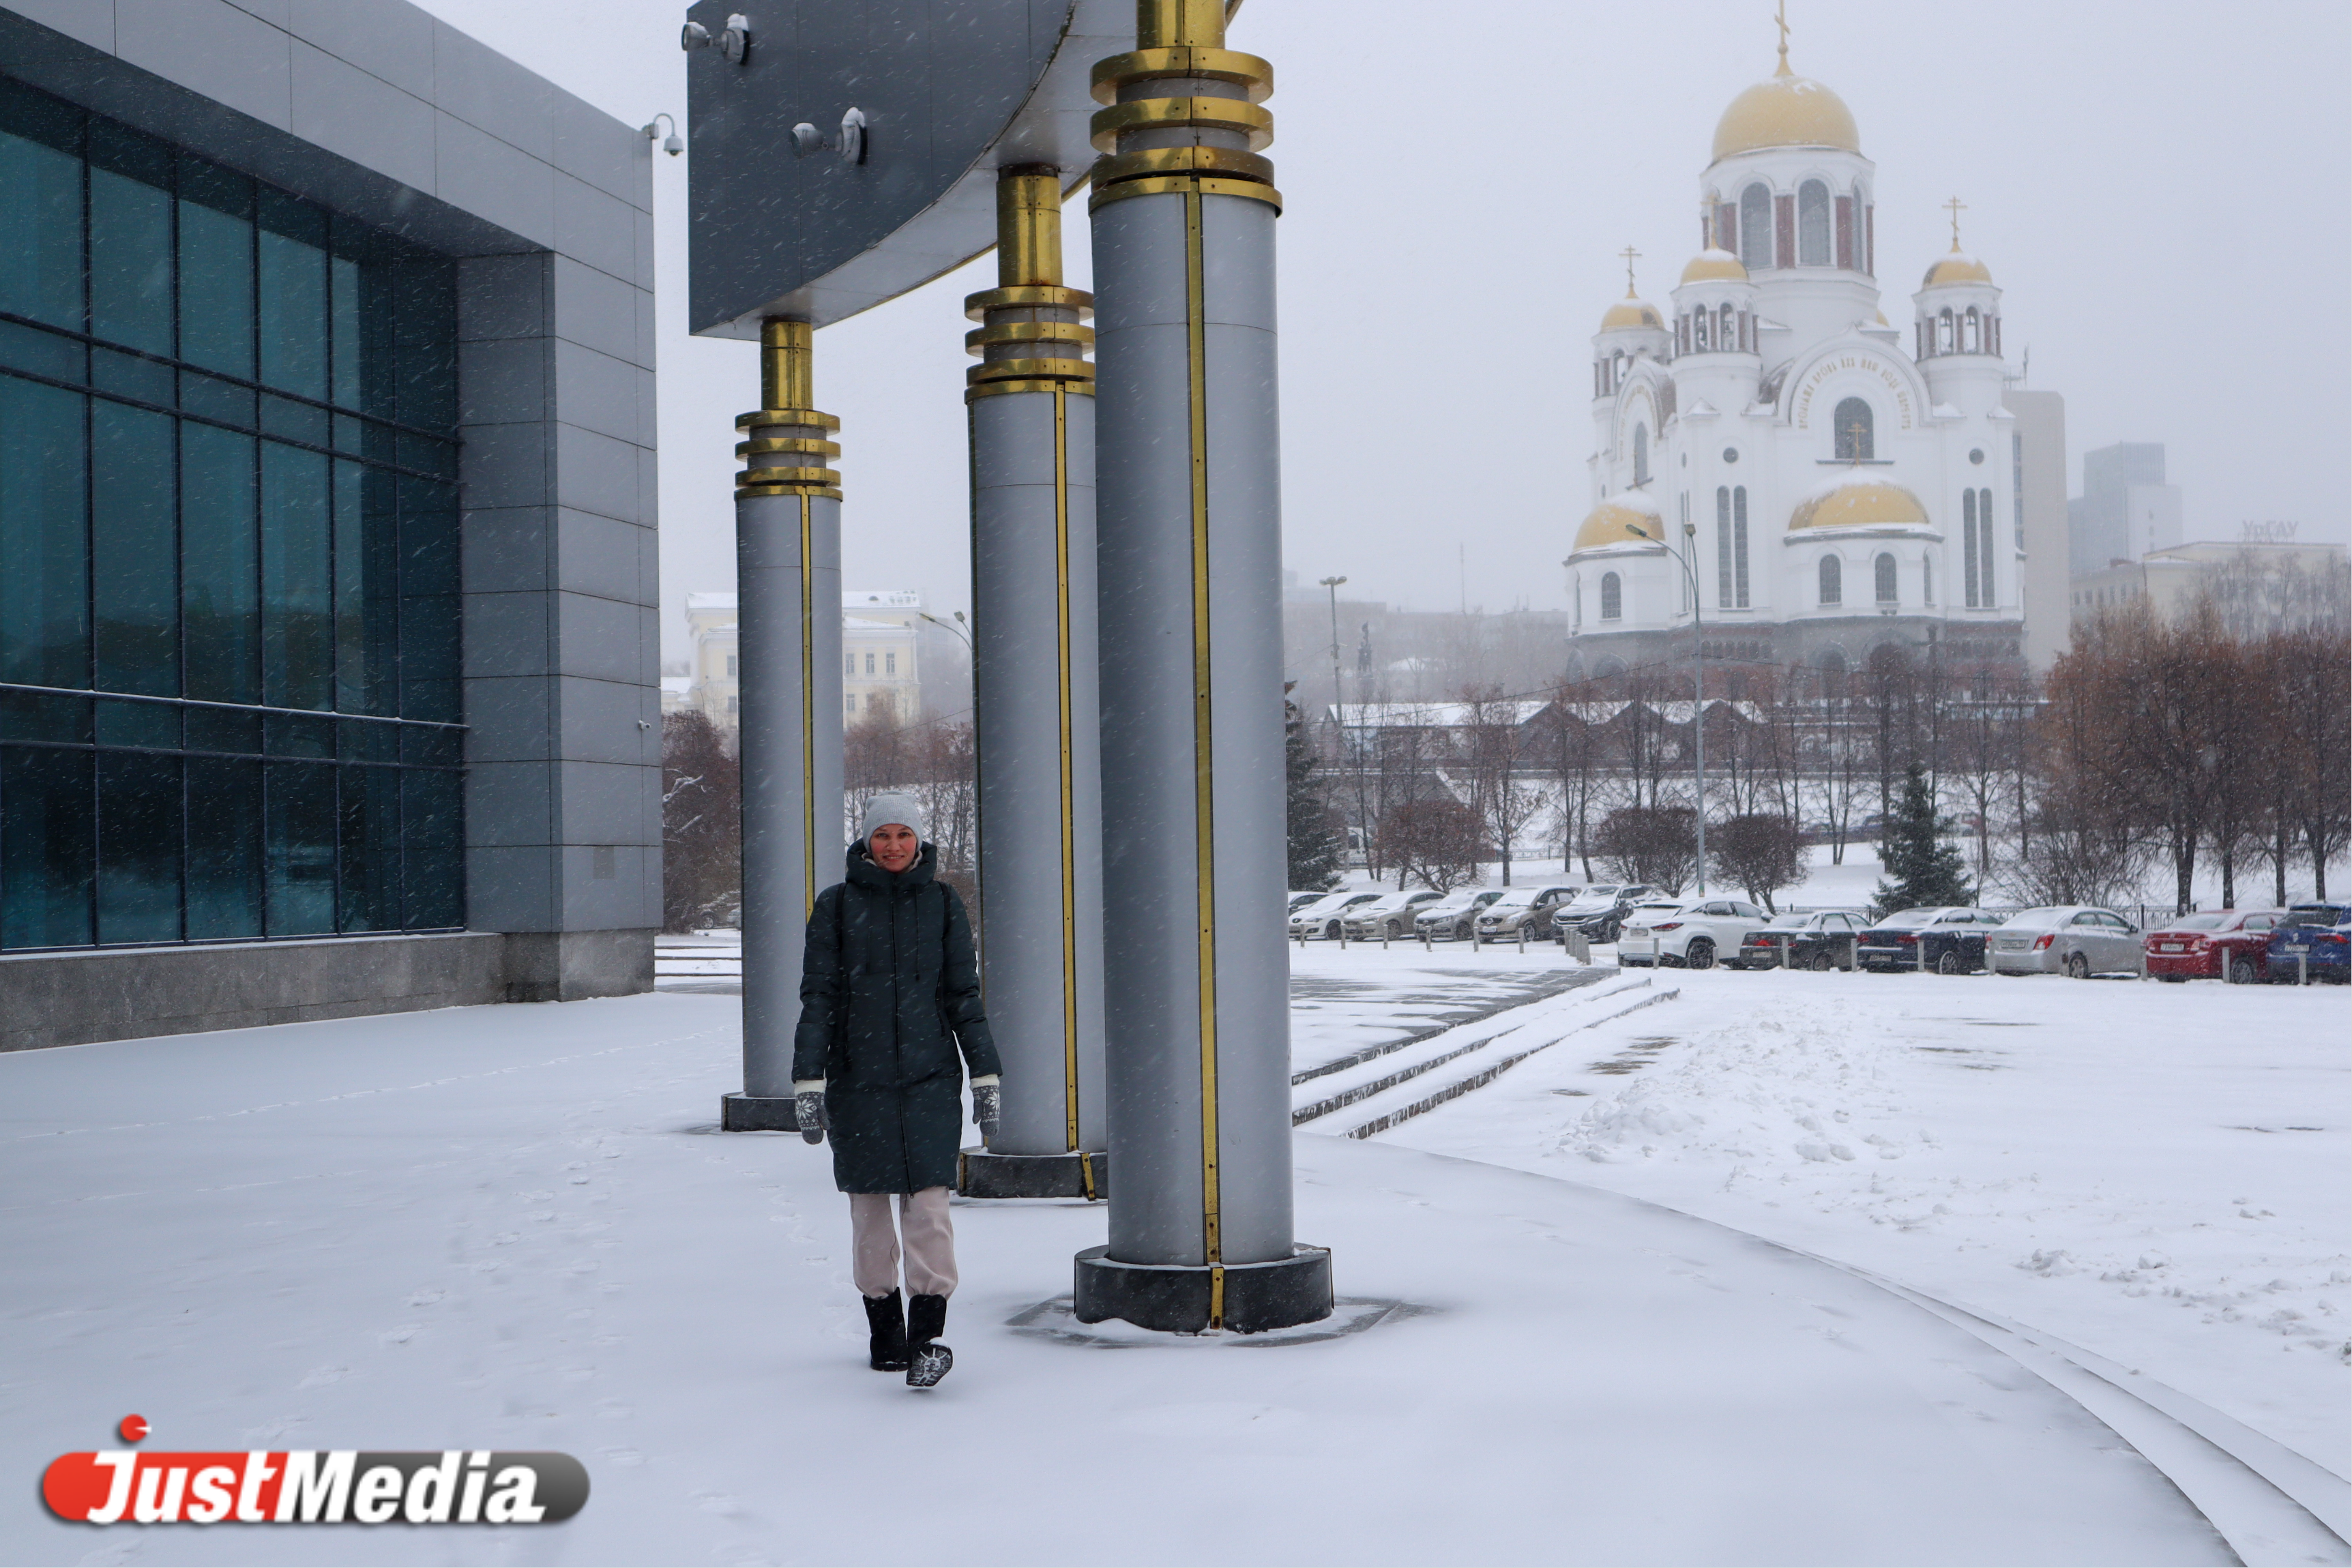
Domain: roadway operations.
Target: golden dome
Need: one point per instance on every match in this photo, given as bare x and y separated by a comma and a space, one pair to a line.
1857, 503
1632, 312
1787, 110
1613, 523
1957, 268
1708, 265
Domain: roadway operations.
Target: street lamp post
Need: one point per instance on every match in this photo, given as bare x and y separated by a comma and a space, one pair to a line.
1698, 688
1332, 583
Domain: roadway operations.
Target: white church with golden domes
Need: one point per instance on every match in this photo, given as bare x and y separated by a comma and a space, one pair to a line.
1833, 484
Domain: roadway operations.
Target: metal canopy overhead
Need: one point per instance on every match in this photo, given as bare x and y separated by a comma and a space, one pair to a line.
949, 91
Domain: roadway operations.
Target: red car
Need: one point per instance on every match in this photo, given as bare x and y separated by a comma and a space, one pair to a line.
2219, 944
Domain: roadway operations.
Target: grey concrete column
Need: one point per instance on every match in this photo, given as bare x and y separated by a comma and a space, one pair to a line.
788, 598
1035, 690
1188, 530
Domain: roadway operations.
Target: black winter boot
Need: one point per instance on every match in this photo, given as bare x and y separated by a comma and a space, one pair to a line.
927, 1360
886, 1349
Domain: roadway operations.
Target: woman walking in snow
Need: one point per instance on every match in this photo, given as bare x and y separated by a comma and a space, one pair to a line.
889, 991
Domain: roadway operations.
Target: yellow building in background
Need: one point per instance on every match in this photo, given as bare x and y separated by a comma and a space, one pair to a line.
880, 673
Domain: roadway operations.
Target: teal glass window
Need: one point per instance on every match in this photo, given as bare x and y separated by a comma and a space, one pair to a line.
229, 630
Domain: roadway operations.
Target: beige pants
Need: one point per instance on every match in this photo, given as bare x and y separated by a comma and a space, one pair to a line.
930, 1242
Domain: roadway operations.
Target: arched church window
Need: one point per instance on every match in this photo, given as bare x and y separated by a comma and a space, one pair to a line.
1739, 546
1855, 430
1700, 333
1755, 227
1970, 587
1812, 223
1723, 547
1944, 333
1832, 581
1641, 455
1612, 596
1882, 578
1723, 328
1984, 547
1970, 333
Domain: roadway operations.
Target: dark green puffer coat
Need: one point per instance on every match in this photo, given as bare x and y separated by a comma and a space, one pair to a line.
889, 988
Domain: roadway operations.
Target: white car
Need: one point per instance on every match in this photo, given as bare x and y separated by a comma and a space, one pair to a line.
1523, 908
1321, 918
1687, 934
2066, 939
1389, 915
1449, 919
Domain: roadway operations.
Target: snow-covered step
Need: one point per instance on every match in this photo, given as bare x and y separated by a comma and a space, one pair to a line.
1496, 1056
1378, 1068
1336, 1020
1521, 996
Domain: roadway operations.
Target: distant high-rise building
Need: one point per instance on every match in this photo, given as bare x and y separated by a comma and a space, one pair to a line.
2125, 508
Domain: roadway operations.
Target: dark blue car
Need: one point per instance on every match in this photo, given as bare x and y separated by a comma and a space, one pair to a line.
2314, 939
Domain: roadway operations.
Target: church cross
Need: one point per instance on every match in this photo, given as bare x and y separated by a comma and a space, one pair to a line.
1630, 256
1955, 207
1780, 20
1856, 431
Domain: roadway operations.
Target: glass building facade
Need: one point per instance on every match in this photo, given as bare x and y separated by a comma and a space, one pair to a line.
229, 699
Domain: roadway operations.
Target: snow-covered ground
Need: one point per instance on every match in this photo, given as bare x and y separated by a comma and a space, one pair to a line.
2154, 1171
515, 1227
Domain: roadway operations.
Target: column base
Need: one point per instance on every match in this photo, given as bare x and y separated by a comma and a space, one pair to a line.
982, 1173
740, 1113
1179, 1298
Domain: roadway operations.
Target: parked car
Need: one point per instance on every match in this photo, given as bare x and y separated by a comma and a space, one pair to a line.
1299, 900
1599, 910
1685, 933
2216, 944
1450, 918
1389, 915
1523, 911
2313, 939
1951, 939
1321, 918
2067, 938
1823, 939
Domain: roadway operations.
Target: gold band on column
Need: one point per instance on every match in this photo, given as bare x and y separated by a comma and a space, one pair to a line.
785, 456
1033, 336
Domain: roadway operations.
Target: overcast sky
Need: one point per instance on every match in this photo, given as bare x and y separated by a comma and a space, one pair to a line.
2160, 189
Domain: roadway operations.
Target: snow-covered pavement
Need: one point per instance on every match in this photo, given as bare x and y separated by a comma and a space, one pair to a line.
2153, 1172
514, 1227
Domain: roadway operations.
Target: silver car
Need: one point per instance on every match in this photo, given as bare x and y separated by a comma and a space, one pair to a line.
1389, 915
1523, 908
1449, 919
1321, 918
2066, 939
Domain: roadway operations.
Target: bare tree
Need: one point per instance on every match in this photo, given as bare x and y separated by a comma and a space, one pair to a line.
1487, 745
1653, 844
1758, 853
1435, 841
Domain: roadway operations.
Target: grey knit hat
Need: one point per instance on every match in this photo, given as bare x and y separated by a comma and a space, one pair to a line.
886, 808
